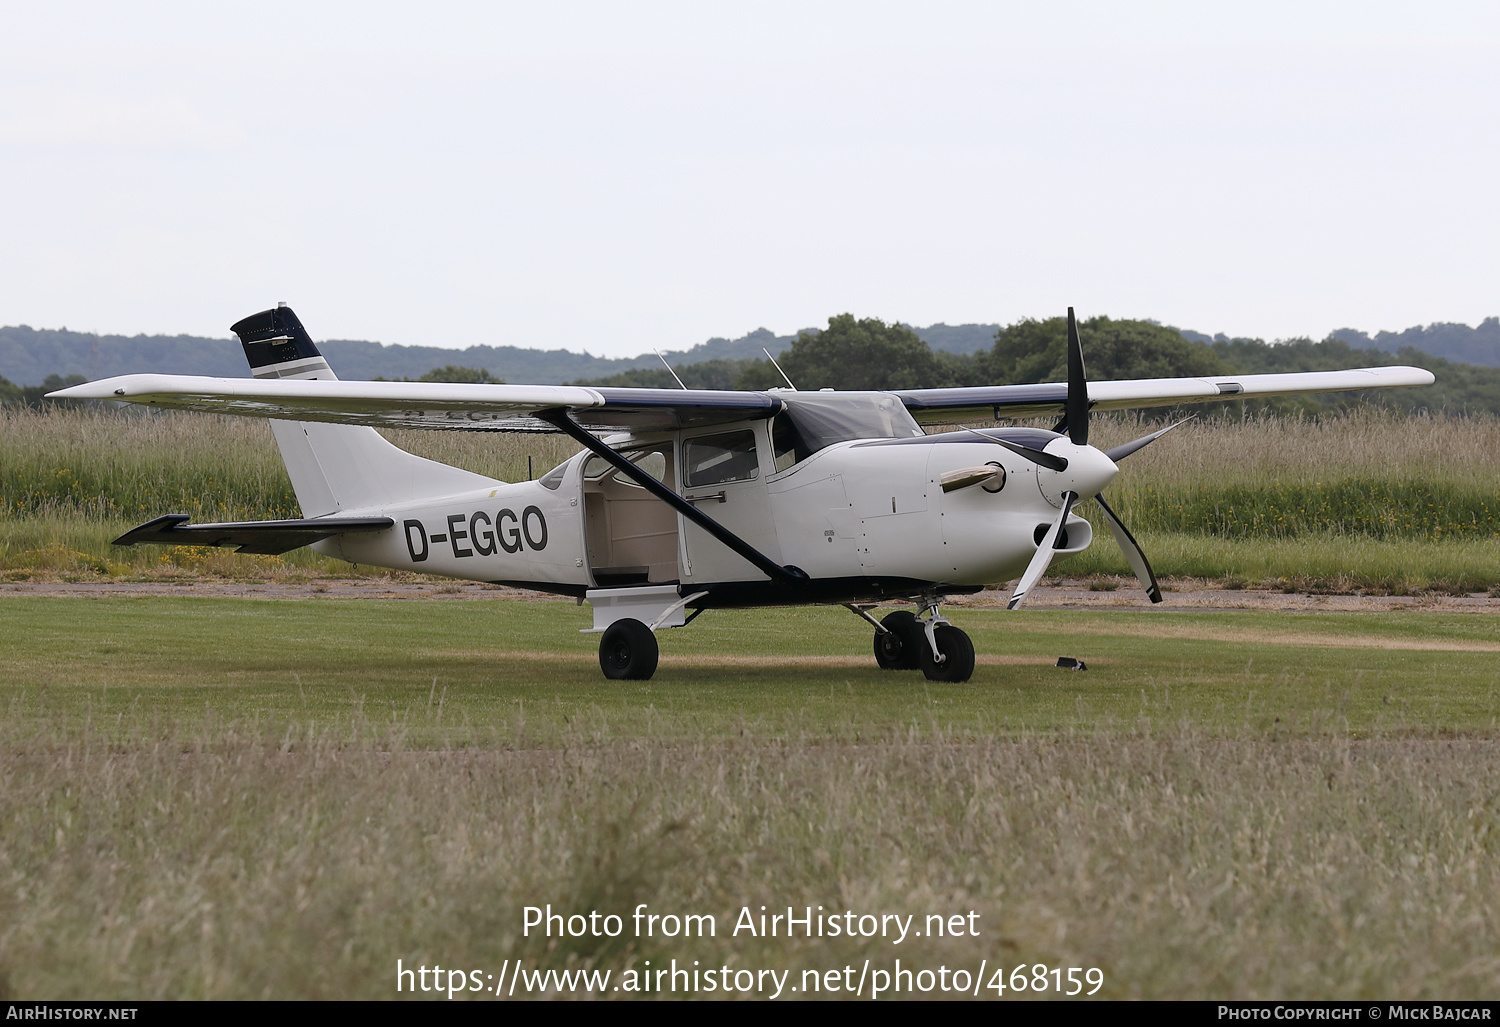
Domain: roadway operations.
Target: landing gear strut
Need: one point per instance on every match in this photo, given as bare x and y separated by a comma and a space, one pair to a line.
903, 641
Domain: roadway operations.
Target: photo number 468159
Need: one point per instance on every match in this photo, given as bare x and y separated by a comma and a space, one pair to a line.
1038, 977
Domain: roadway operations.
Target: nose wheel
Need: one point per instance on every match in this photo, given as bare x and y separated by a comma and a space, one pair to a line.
949, 655
904, 641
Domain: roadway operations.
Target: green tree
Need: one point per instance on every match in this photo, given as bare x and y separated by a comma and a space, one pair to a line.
462, 375
15, 395
721, 373
853, 354
452, 373
1036, 351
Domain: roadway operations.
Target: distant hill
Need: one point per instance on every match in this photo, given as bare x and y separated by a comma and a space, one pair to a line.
962, 339
29, 355
1456, 342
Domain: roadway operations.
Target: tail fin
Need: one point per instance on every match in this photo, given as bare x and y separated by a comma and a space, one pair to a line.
336, 467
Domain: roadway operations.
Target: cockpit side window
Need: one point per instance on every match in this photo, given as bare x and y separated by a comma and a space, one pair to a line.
714, 459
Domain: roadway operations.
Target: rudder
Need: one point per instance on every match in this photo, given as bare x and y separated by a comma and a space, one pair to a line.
337, 467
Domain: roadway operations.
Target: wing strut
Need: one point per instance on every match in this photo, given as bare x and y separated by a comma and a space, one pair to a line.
559, 419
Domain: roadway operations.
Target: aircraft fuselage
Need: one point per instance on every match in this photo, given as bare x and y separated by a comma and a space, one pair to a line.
864, 519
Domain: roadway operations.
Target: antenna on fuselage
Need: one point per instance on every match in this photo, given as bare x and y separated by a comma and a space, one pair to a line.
669, 368
778, 369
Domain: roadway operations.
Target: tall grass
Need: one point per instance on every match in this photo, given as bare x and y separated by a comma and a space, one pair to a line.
1215, 498
109, 465
73, 479
1367, 473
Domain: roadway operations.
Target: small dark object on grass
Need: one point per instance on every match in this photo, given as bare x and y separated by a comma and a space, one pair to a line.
1071, 664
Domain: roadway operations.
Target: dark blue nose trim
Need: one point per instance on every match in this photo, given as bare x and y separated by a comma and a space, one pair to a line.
274, 336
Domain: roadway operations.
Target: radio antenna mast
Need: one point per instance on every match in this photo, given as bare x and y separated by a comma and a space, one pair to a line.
778, 369
669, 368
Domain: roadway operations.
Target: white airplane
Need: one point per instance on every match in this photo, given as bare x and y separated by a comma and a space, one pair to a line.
696, 500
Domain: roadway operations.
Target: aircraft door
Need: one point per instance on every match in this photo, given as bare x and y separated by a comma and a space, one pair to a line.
630, 535
722, 475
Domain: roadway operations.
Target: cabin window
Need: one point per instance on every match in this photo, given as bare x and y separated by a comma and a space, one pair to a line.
652, 461
714, 459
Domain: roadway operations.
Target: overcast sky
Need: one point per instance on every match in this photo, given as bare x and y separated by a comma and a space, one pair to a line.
618, 176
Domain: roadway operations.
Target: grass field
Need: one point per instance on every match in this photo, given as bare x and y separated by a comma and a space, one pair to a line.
1362, 501
232, 798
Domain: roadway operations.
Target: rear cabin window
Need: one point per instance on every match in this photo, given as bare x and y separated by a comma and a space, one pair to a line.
714, 459
651, 460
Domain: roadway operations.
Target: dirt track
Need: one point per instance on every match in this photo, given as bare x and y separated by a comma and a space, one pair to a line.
1067, 595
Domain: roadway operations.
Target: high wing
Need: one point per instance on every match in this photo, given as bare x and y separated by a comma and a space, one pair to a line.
432, 405
465, 407
993, 402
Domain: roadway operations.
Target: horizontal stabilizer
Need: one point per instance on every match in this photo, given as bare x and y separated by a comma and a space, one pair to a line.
267, 537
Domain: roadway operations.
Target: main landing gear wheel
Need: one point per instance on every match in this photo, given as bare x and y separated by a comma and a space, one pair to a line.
627, 651
900, 645
958, 652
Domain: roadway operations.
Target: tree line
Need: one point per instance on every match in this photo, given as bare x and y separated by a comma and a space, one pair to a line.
867, 353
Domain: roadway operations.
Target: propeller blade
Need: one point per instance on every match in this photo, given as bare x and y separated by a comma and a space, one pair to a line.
1036, 456
1043, 557
1120, 452
1130, 547
1076, 413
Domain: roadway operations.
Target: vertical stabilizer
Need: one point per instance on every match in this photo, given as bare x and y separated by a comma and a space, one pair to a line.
337, 467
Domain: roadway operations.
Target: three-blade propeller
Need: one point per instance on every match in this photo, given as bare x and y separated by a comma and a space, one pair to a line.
1076, 423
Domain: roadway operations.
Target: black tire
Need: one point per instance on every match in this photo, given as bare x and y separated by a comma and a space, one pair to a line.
628, 651
959, 650
900, 646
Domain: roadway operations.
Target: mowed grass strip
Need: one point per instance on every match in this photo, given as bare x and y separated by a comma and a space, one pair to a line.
251, 799
520, 673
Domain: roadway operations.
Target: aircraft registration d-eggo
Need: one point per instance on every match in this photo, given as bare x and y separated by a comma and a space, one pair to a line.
682, 501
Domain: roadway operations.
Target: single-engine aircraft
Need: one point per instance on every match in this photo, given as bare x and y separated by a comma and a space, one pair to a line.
689, 500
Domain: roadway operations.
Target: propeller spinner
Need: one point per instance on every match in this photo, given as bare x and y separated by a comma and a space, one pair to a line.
1086, 473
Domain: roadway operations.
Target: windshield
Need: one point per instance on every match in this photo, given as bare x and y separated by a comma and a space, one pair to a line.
819, 419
